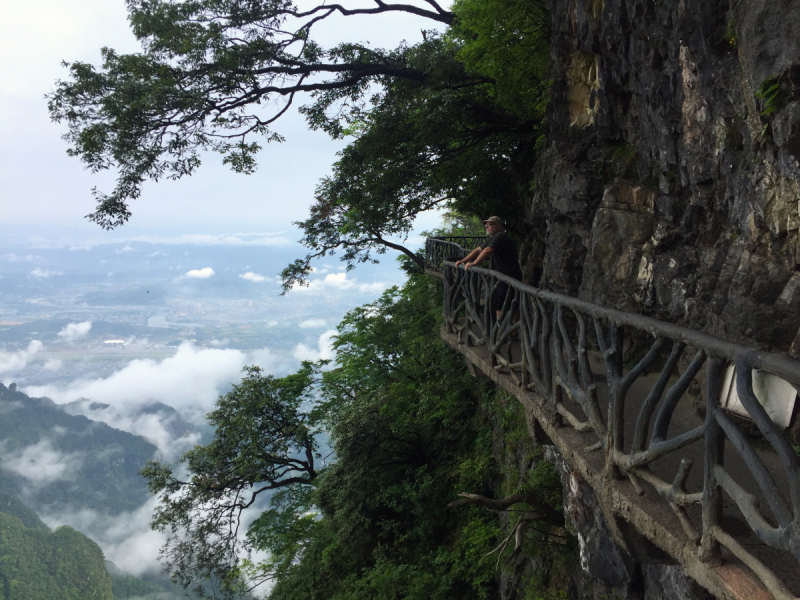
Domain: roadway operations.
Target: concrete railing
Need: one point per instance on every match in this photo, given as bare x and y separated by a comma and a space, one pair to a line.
636, 383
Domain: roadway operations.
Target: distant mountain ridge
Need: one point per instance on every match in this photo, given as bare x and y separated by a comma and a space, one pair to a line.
101, 467
51, 457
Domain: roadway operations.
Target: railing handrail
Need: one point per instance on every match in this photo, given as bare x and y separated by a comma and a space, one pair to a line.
778, 363
552, 358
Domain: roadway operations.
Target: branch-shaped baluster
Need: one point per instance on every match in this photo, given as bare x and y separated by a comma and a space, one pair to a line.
788, 458
471, 300
503, 326
713, 454
748, 504
587, 379
487, 288
530, 339
674, 395
572, 357
650, 403
619, 386
659, 448
611, 349
566, 374
636, 372
545, 348
679, 488
756, 466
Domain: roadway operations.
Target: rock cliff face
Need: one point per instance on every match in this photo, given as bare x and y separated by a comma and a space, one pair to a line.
669, 185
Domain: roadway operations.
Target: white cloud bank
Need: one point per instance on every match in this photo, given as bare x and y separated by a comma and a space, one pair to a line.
15, 361
18, 258
197, 239
324, 350
53, 364
75, 331
312, 323
190, 381
40, 463
254, 277
340, 281
44, 274
204, 273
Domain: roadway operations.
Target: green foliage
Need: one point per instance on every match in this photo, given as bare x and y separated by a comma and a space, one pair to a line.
211, 76
128, 586
453, 120
264, 441
731, 35
772, 95
507, 41
407, 430
769, 92
146, 587
11, 504
444, 141
39, 565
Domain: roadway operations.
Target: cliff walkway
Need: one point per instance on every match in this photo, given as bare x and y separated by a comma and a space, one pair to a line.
680, 434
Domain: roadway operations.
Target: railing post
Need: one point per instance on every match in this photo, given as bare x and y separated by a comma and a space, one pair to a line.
713, 456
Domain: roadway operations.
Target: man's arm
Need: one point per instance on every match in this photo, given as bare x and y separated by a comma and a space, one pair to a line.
468, 258
484, 255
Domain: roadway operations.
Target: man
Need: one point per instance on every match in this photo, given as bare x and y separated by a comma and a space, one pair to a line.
502, 254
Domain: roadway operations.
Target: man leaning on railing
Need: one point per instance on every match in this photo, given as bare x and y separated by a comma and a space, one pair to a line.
501, 251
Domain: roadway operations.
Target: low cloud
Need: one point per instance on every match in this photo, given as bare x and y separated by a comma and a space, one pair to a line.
376, 287
254, 277
312, 323
190, 381
43, 274
40, 463
158, 425
15, 361
126, 249
233, 239
75, 331
127, 539
324, 350
18, 258
53, 364
204, 273
338, 282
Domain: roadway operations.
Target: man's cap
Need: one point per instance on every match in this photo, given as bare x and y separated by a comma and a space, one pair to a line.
493, 220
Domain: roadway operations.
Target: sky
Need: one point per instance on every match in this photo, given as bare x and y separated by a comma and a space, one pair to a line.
45, 192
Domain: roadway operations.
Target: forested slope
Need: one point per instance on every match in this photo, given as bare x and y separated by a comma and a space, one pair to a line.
380, 517
36, 564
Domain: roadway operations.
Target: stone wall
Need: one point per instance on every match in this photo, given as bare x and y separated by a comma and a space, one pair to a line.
668, 186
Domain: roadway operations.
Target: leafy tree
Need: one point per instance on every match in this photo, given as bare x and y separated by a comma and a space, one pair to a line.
213, 75
264, 441
454, 120
444, 141
508, 42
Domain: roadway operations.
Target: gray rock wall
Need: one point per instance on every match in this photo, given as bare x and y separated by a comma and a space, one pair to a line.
612, 571
668, 187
